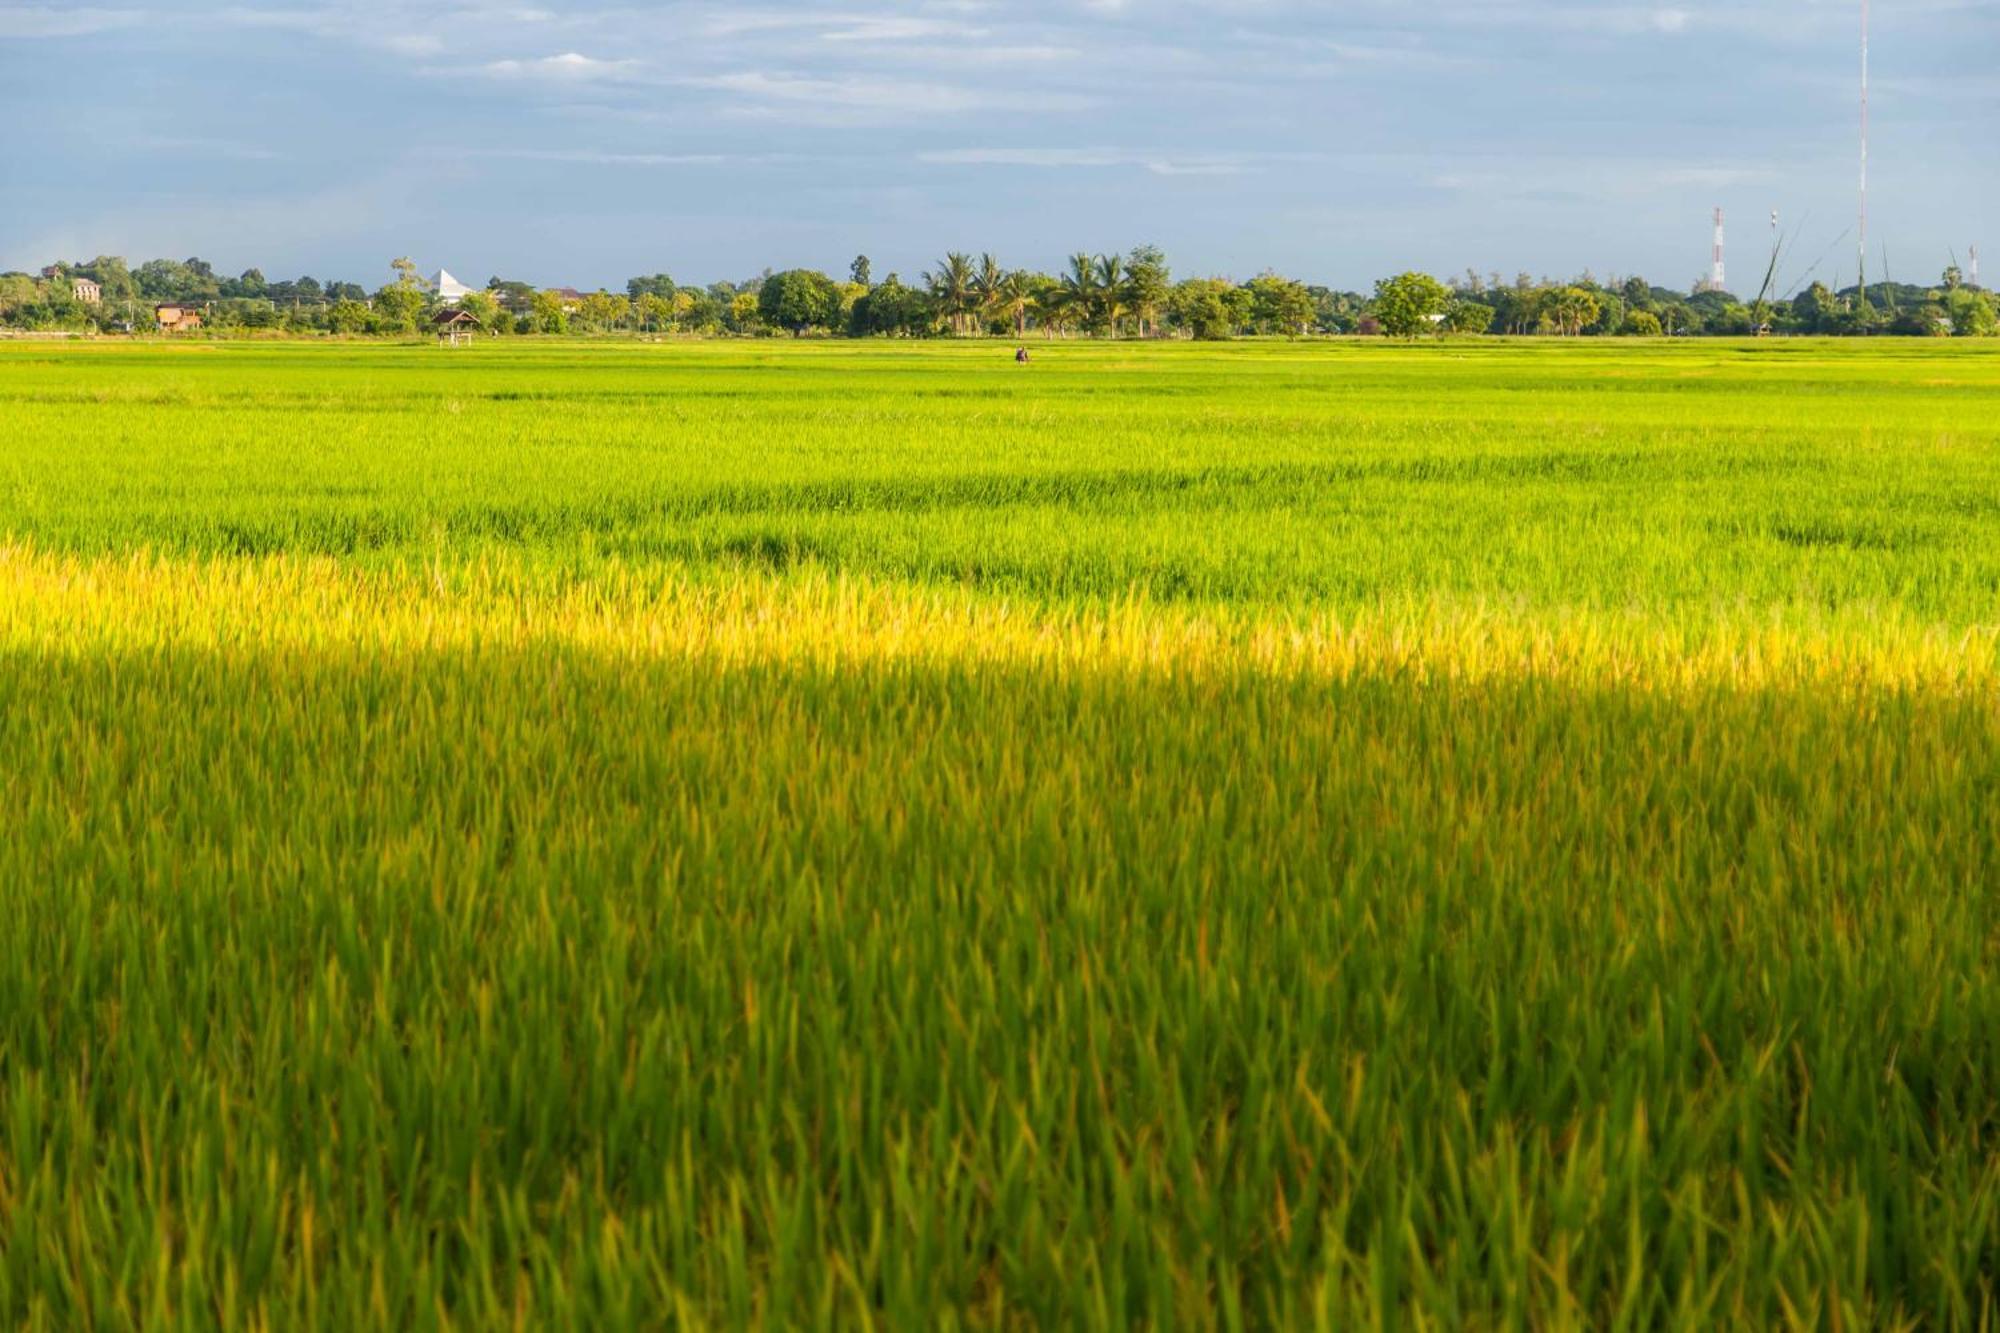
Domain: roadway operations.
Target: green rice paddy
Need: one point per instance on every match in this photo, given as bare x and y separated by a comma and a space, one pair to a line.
839, 835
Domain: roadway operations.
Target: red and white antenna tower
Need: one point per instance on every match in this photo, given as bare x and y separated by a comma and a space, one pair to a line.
1716, 280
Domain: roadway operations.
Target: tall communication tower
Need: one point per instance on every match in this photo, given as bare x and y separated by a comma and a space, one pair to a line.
1862, 248
1972, 251
1716, 282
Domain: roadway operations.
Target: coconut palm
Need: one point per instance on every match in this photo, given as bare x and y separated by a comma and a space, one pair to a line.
1111, 294
1570, 309
986, 286
1076, 290
1014, 297
952, 288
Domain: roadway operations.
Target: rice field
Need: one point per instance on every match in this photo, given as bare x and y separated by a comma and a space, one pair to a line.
1339, 836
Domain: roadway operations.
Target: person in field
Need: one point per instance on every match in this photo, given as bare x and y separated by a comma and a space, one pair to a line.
1020, 356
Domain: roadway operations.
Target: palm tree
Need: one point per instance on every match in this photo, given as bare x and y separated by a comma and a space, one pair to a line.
1110, 290
986, 286
1569, 309
951, 286
1013, 297
1076, 293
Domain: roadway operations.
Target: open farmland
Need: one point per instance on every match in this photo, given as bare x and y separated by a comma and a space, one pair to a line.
613, 835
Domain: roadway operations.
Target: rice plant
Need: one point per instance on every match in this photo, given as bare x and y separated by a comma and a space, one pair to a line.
739, 835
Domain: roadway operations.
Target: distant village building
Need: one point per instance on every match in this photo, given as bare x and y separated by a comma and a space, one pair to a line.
450, 291
86, 291
571, 298
177, 317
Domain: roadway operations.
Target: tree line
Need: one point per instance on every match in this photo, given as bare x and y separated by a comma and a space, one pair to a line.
1131, 295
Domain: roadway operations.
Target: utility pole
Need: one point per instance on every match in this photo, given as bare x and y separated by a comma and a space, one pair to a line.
1716, 276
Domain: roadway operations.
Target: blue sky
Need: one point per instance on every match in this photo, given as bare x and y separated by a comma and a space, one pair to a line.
1336, 141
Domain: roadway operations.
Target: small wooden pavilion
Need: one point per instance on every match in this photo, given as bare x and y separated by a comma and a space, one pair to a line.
454, 326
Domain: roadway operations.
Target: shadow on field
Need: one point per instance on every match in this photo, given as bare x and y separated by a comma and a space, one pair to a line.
552, 985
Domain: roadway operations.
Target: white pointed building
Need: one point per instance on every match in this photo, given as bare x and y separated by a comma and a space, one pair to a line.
449, 289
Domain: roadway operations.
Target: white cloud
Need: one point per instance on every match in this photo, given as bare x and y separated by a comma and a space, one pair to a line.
399, 27
595, 158
983, 55
1671, 20
1028, 157
836, 26
570, 65
862, 93
897, 29
1098, 158
63, 20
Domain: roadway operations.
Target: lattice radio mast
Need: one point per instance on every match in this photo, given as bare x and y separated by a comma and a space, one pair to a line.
1862, 247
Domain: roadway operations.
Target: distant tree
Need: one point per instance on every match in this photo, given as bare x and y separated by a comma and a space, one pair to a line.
1411, 304
1280, 305
1569, 310
397, 309
163, 280
110, 273
1677, 317
407, 275
1205, 308
742, 314
986, 285
601, 310
699, 310
1812, 307
657, 284
799, 299
1610, 312
1148, 282
859, 272
1075, 296
1971, 312
892, 309
305, 289
546, 313
516, 297
1111, 294
1468, 317
1640, 324
1335, 312
18, 291
347, 317
483, 307
250, 284
849, 293
951, 287
1015, 298
654, 312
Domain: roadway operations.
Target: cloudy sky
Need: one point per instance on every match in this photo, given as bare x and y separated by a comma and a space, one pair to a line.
569, 141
